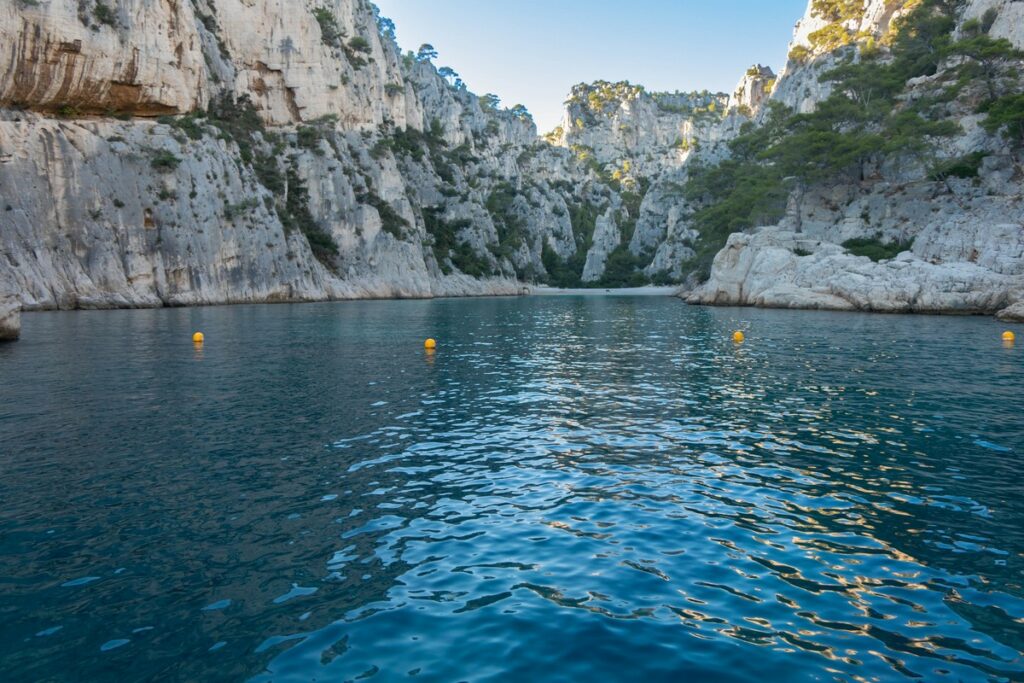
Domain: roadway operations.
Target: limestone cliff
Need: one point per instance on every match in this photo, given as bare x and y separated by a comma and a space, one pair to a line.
164, 152
933, 220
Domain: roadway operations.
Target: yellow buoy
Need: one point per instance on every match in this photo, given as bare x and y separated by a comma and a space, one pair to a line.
738, 337
198, 338
430, 344
1009, 336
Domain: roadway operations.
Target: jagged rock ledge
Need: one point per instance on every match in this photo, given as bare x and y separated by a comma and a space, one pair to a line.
10, 319
455, 286
1013, 314
774, 268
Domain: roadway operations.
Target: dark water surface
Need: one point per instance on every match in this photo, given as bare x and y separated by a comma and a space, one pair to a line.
570, 489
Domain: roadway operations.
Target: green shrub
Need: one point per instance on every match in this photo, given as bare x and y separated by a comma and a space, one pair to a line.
188, 124
799, 54
359, 44
295, 215
837, 10
569, 272
964, 167
622, 269
565, 273
511, 227
865, 119
232, 211
1006, 115
831, 37
310, 137
164, 161
663, 278
446, 244
875, 249
468, 261
104, 14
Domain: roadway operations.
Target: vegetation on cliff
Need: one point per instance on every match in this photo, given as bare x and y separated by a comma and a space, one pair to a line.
866, 119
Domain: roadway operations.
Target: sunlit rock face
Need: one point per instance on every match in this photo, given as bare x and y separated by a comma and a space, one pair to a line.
136, 57
1014, 313
753, 90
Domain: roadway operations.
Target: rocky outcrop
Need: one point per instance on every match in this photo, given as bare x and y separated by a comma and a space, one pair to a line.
965, 253
10, 319
1014, 313
305, 63
607, 238
778, 269
1007, 18
636, 133
753, 90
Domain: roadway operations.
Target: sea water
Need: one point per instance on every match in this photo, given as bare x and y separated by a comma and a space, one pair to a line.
573, 488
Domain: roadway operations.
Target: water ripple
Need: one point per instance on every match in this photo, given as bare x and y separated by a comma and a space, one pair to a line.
567, 489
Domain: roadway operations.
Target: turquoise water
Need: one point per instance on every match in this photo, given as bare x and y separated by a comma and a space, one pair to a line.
569, 489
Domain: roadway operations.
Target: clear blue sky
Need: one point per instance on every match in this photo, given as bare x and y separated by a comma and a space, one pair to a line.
533, 51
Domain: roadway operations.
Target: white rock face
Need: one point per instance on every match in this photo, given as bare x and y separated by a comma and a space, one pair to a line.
110, 241
639, 133
1009, 22
967, 254
119, 235
606, 238
10, 319
145, 59
281, 59
799, 86
875, 20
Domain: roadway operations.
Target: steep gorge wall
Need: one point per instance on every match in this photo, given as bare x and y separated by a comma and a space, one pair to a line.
333, 167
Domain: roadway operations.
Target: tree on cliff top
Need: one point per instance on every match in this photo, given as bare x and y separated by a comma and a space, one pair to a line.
490, 102
521, 112
426, 53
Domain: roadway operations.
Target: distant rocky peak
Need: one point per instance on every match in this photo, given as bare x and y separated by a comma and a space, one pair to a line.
753, 90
